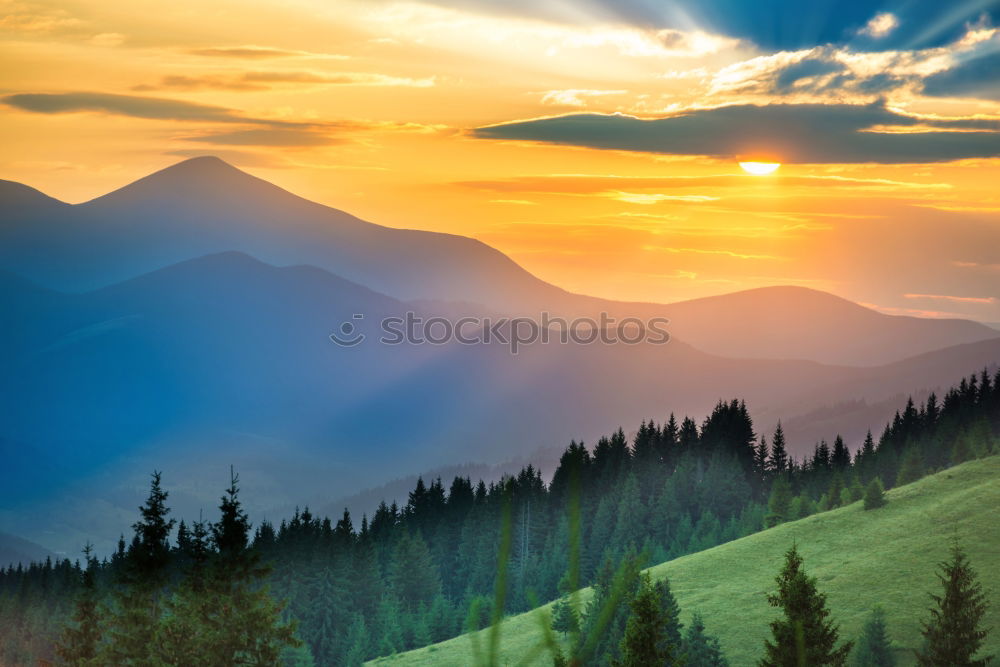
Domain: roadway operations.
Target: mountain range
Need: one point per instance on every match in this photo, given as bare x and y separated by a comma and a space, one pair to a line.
182, 323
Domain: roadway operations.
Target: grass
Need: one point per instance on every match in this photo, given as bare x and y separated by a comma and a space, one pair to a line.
886, 556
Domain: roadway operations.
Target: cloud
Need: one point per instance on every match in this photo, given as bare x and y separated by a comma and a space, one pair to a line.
284, 137
880, 26
773, 25
796, 133
124, 105
339, 78
264, 80
976, 76
575, 97
257, 53
805, 69
582, 184
956, 299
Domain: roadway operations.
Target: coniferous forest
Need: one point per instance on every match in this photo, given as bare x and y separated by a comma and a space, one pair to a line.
461, 554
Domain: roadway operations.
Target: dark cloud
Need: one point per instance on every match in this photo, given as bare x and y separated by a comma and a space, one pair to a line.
125, 105
977, 77
771, 24
809, 133
156, 108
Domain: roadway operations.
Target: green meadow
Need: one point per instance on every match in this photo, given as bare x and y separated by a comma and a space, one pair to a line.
860, 558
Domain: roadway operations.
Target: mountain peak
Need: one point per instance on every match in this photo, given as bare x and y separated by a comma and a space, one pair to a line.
199, 178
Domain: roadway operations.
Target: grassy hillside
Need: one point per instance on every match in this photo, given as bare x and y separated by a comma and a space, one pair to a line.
886, 556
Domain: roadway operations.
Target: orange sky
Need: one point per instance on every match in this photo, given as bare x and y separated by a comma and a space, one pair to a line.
368, 107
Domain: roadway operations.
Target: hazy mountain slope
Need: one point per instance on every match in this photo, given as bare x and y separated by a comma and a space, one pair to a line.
225, 359
14, 550
887, 556
801, 323
204, 206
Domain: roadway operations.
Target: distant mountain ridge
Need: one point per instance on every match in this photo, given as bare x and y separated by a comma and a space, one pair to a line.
16, 550
205, 206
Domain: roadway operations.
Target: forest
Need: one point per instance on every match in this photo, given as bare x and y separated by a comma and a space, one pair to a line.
315, 590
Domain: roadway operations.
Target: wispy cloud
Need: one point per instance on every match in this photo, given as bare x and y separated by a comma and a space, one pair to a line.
265, 80
880, 26
956, 299
575, 97
252, 52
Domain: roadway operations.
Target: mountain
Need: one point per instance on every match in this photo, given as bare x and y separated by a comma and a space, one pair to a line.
226, 359
887, 556
205, 206
14, 550
788, 322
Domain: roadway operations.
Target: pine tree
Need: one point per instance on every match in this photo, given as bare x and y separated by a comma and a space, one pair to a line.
835, 491
912, 467
79, 645
700, 649
228, 617
779, 504
645, 642
953, 634
778, 461
874, 495
564, 618
805, 635
873, 648
133, 620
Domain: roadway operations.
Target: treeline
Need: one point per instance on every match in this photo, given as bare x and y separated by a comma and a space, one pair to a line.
409, 575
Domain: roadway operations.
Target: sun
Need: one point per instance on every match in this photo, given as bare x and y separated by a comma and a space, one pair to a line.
760, 168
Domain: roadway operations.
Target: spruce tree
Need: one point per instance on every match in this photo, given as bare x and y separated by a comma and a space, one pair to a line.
700, 649
778, 461
874, 495
804, 635
646, 642
134, 618
953, 635
912, 467
564, 618
229, 618
873, 648
779, 504
79, 644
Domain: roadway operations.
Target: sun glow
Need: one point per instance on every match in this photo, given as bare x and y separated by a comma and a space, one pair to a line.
760, 168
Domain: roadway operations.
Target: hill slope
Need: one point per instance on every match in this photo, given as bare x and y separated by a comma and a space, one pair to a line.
887, 556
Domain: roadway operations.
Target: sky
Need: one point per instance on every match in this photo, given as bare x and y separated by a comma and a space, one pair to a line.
596, 142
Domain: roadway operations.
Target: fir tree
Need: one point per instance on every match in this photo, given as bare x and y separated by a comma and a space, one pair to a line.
778, 461
646, 642
779, 504
873, 648
133, 620
700, 649
874, 495
564, 618
953, 635
79, 645
912, 467
835, 492
805, 635
232, 619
